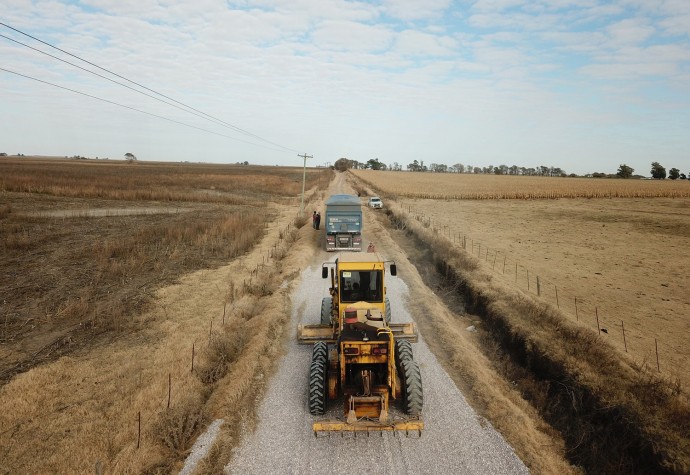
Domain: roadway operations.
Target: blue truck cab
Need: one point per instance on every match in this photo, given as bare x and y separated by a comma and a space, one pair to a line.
343, 223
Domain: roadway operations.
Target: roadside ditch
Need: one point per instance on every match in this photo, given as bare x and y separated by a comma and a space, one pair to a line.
614, 415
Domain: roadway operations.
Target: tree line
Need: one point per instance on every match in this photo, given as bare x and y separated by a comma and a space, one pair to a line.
624, 171
658, 172
417, 166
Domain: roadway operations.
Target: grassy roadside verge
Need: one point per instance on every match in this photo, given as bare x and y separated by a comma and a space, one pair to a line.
130, 402
614, 415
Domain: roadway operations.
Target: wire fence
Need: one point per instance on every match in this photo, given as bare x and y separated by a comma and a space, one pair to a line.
169, 376
584, 309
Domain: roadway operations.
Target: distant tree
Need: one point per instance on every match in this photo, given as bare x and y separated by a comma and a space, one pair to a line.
682, 176
3, 154
375, 164
459, 168
674, 173
130, 157
658, 171
476, 170
341, 164
625, 171
438, 168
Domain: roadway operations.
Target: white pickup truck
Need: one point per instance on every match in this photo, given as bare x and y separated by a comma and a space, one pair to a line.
375, 202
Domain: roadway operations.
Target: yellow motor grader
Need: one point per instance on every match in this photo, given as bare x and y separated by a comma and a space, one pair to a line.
359, 354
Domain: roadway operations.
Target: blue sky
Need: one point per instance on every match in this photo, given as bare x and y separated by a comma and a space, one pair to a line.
582, 85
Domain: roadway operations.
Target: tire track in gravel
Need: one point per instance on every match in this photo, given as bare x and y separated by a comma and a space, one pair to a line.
456, 439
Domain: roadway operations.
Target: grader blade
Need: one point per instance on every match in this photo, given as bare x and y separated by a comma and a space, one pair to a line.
368, 426
308, 334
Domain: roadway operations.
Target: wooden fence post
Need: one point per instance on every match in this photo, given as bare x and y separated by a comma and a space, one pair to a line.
656, 347
624, 342
576, 316
169, 388
596, 311
538, 287
139, 429
557, 304
192, 358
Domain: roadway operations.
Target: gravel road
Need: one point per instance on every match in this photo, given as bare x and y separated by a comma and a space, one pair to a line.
456, 439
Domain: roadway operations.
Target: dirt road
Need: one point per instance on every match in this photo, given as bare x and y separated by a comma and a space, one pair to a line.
456, 439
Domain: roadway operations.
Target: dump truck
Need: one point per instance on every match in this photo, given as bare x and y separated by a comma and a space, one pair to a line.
343, 223
360, 355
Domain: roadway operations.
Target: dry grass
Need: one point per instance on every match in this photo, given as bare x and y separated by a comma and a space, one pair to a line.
614, 415
124, 299
622, 261
150, 181
454, 186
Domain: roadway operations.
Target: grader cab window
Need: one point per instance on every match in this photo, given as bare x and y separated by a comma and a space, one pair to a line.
361, 285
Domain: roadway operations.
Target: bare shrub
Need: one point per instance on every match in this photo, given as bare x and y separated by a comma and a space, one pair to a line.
300, 220
222, 352
262, 286
178, 426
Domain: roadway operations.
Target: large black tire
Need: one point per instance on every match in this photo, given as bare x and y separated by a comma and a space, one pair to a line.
388, 310
326, 306
413, 396
318, 377
403, 352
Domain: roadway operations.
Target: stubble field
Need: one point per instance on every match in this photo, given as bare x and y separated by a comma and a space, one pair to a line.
128, 292
624, 260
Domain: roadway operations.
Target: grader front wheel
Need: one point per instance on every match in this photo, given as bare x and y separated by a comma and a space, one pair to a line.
318, 377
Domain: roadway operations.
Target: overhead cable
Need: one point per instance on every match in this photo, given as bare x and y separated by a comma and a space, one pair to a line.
207, 116
137, 110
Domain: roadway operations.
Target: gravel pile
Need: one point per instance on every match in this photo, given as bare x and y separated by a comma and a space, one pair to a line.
456, 439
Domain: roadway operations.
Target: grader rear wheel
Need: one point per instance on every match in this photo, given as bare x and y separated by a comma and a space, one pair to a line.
413, 396
318, 377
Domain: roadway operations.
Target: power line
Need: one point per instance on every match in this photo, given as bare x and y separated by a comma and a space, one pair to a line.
135, 109
107, 78
208, 116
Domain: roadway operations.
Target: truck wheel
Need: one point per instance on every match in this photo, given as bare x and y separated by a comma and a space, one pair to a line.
318, 379
388, 310
403, 352
413, 396
326, 306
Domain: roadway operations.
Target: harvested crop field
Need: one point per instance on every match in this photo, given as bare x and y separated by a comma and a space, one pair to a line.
457, 186
623, 259
115, 281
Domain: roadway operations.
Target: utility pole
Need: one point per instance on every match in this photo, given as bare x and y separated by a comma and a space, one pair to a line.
304, 179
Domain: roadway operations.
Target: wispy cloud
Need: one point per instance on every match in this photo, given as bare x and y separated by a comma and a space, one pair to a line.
516, 81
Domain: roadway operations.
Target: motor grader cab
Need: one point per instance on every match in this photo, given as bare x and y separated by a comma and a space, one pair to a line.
360, 355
